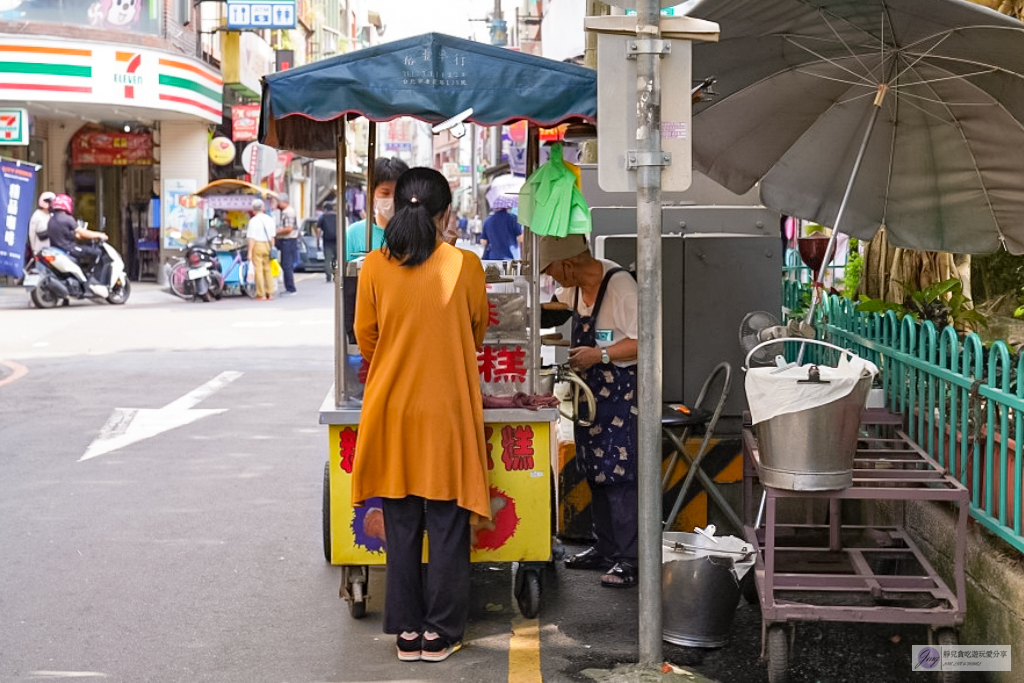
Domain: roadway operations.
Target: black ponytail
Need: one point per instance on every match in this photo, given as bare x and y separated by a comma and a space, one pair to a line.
421, 194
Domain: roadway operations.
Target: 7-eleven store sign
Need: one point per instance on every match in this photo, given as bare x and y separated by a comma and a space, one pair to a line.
13, 127
41, 70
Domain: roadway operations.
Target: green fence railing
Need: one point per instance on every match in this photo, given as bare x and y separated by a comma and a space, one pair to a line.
962, 402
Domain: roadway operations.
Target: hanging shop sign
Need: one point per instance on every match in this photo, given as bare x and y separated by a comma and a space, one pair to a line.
14, 127
222, 151
98, 148
81, 72
244, 14
245, 59
245, 122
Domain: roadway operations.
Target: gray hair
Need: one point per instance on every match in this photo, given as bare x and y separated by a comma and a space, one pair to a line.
257, 205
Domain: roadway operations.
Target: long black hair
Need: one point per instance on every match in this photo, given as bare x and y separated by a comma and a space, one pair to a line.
421, 194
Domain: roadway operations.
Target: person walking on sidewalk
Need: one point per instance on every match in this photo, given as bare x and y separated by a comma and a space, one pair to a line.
327, 233
421, 313
259, 235
287, 240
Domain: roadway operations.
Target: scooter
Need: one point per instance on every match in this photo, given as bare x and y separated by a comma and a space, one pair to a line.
204, 273
56, 278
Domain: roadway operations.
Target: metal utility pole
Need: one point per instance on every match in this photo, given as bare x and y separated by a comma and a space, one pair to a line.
649, 161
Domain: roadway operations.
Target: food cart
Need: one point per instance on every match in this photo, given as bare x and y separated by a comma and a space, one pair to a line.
441, 80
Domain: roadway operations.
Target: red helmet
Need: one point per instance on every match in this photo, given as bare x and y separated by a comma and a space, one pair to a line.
63, 202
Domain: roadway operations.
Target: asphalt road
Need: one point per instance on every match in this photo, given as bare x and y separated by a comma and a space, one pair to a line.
195, 555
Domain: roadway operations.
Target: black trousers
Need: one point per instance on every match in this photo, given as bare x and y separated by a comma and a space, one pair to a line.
441, 603
330, 259
289, 254
614, 510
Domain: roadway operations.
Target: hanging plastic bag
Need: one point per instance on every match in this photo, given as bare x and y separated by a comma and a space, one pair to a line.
550, 203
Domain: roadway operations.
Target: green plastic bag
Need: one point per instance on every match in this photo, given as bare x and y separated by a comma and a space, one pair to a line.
549, 201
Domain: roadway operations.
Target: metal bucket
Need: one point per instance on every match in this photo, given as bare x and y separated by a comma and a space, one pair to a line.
700, 587
813, 449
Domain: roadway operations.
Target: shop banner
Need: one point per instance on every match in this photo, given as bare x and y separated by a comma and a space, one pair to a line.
180, 223
17, 200
97, 148
245, 122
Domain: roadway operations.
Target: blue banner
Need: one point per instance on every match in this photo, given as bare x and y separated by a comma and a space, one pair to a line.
17, 202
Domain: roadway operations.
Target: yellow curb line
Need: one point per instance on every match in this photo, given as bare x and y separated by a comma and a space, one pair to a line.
524, 652
17, 372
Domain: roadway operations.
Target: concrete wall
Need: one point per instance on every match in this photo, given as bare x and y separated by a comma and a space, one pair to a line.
183, 154
59, 133
995, 577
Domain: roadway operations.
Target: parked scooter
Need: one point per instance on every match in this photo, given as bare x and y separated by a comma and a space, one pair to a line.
55, 278
204, 276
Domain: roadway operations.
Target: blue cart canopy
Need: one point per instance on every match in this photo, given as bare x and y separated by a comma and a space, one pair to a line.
431, 77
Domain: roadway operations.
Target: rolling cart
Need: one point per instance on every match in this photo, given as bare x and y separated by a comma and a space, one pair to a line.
856, 573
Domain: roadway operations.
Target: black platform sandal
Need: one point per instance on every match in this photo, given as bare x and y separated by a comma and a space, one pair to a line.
622, 575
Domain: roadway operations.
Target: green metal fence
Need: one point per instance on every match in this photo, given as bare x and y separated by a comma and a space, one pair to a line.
961, 401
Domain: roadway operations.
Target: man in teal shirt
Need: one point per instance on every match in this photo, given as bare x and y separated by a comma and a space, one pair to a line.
385, 174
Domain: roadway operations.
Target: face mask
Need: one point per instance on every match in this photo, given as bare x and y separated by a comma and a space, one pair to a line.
385, 206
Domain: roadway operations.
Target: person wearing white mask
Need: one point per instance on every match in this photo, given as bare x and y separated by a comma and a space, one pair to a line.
385, 175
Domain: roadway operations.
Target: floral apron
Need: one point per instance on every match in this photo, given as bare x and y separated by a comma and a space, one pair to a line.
607, 450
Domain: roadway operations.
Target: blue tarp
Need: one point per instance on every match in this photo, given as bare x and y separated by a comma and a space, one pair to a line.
431, 77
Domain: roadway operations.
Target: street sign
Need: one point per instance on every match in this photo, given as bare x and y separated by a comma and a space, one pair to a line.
259, 160
244, 14
13, 127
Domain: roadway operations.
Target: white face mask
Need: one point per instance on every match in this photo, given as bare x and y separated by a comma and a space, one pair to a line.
385, 206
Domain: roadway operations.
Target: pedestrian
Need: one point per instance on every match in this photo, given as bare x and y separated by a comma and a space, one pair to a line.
501, 233
603, 298
385, 173
476, 228
259, 234
38, 238
287, 240
420, 315
327, 234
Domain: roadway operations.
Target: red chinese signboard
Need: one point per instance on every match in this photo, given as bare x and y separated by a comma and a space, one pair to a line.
245, 121
95, 148
502, 363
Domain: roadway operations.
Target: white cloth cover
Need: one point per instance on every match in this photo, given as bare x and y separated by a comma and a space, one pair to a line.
770, 394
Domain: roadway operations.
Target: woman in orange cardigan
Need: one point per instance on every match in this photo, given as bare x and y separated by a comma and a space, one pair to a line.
421, 313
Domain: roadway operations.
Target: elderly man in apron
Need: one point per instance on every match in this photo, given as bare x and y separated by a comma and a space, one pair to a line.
603, 298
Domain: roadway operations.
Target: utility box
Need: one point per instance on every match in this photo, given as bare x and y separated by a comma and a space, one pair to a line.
618, 47
710, 281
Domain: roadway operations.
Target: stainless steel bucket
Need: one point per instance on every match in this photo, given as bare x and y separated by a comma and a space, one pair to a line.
813, 449
700, 587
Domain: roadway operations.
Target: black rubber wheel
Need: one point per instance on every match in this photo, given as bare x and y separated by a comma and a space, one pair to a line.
947, 637
327, 512
120, 292
216, 285
43, 298
528, 595
748, 588
778, 654
357, 609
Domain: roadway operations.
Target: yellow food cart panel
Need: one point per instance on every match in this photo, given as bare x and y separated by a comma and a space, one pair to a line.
519, 463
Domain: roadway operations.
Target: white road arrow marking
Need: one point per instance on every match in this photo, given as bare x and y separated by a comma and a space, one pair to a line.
130, 425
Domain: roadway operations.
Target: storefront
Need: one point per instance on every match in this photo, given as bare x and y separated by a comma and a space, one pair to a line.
120, 128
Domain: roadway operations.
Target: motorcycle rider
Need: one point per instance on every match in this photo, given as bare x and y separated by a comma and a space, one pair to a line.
38, 224
64, 231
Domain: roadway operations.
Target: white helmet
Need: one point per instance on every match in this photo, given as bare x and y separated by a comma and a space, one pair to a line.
45, 199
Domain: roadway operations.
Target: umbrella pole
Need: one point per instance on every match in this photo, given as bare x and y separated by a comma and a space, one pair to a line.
340, 336
371, 183
649, 352
819, 283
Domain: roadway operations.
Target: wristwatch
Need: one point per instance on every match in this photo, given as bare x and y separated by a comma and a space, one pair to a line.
604, 356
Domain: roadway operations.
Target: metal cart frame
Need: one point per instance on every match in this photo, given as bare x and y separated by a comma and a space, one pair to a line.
888, 466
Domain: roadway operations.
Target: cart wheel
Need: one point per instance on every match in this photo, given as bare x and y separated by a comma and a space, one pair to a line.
748, 587
778, 654
947, 637
327, 512
357, 599
528, 594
